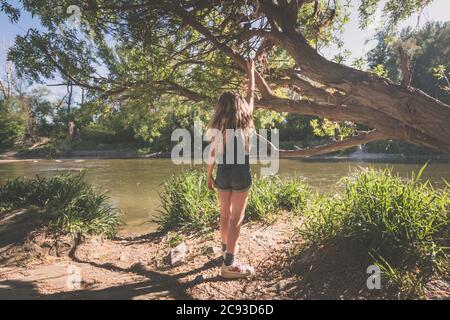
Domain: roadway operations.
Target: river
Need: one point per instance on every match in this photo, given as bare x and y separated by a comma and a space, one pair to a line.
134, 184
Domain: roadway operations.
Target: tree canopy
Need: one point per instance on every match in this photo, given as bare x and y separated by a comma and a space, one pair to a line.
135, 52
431, 58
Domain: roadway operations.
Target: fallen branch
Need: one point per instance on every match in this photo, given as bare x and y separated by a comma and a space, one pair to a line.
353, 141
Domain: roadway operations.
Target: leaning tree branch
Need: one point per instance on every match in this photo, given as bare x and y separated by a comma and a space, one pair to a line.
190, 20
185, 92
77, 82
412, 109
361, 138
315, 108
170, 85
353, 141
372, 118
309, 90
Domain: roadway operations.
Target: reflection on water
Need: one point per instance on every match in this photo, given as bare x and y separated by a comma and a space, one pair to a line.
134, 184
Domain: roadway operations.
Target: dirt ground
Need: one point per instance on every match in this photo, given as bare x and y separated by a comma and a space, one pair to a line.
35, 266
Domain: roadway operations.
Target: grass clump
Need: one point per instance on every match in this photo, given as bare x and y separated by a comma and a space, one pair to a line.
68, 204
293, 194
402, 223
187, 203
263, 199
272, 194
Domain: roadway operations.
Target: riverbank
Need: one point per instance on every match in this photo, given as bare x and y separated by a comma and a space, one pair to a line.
83, 154
303, 245
136, 267
88, 150
43, 267
110, 154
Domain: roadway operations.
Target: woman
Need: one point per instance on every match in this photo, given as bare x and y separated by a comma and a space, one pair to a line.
233, 180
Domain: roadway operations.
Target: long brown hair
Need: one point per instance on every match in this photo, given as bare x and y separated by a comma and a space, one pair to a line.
232, 112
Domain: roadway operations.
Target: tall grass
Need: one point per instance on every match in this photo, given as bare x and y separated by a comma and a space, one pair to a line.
272, 194
186, 203
68, 203
403, 223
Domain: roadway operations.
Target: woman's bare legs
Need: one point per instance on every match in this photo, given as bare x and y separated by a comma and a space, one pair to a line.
225, 214
238, 204
231, 269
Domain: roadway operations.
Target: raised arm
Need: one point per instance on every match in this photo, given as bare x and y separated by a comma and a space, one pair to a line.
251, 82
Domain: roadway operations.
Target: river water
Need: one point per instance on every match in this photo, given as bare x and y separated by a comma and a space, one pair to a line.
134, 184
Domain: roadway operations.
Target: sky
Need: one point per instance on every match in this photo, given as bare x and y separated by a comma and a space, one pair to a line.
355, 39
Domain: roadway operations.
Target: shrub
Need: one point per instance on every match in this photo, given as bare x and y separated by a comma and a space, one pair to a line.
109, 132
293, 194
68, 203
13, 194
11, 129
263, 199
49, 150
403, 223
187, 203
272, 194
323, 220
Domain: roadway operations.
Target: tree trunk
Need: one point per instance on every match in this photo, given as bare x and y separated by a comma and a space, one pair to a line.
398, 112
392, 111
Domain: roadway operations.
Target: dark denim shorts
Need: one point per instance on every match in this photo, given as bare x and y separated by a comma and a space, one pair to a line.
236, 178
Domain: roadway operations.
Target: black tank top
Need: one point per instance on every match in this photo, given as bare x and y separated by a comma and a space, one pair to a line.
234, 161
